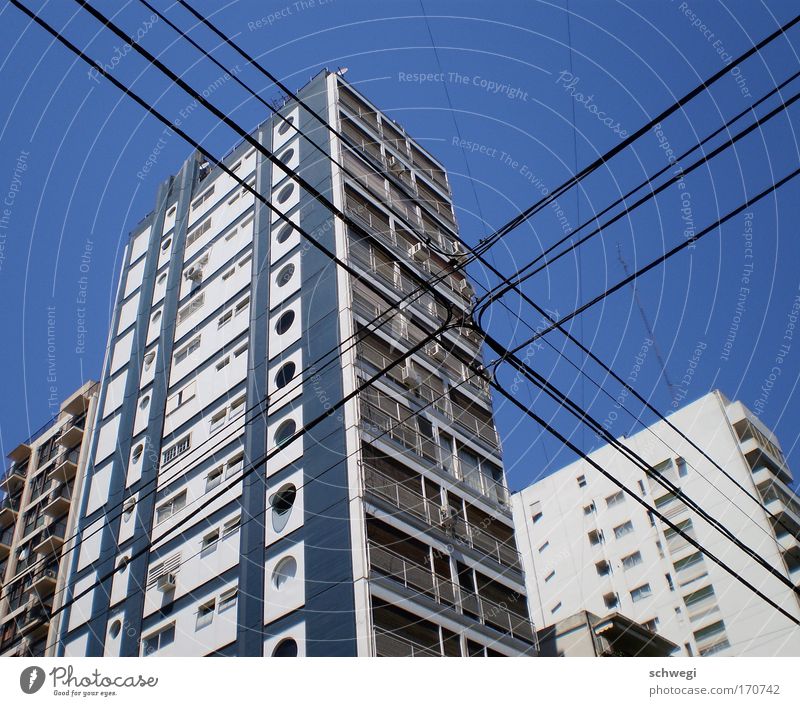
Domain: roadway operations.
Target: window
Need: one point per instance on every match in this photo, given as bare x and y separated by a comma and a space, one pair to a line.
642, 489
595, 537
628, 562
165, 245
665, 500
137, 453
652, 518
228, 599
149, 359
181, 397
603, 568
213, 479
623, 529
187, 350
235, 465
641, 592
157, 317
231, 526
285, 275
284, 571
283, 234
611, 600
224, 319
217, 420
158, 640
615, 499
286, 648
237, 407
555, 608
202, 199
172, 506
222, 363
709, 631
284, 322
544, 546
205, 615
589, 509
699, 595
285, 432
287, 155
651, 625
285, 193
172, 211
683, 471
178, 448
208, 544
687, 561
230, 273
192, 307
242, 306
581, 481
198, 232
669, 582
286, 124
549, 576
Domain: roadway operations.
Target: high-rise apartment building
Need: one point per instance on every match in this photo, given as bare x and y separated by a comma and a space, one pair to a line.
385, 529
588, 546
37, 519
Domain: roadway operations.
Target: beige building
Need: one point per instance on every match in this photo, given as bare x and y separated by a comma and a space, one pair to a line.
36, 520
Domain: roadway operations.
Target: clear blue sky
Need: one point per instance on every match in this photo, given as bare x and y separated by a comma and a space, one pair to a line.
71, 147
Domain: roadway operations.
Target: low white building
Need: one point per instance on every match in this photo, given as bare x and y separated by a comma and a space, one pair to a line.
587, 546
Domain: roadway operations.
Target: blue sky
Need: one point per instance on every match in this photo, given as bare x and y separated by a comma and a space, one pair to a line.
514, 71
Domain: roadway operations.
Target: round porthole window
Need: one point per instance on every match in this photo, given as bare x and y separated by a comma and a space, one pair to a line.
284, 376
285, 275
285, 432
137, 452
285, 193
162, 278
285, 648
115, 628
284, 233
148, 360
165, 245
284, 322
144, 402
282, 503
286, 156
157, 317
284, 571
285, 125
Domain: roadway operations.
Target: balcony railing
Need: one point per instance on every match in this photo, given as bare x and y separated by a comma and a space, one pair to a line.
7, 536
422, 580
465, 532
14, 476
390, 644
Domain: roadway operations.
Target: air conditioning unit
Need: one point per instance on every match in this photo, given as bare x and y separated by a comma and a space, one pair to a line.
194, 273
466, 288
434, 350
447, 518
410, 378
419, 252
167, 582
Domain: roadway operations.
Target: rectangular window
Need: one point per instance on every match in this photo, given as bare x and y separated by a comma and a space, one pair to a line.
544, 546
670, 583
187, 350
213, 479
651, 625
198, 232
642, 489
228, 599
603, 568
589, 509
181, 397
191, 308
217, 420
581, 481
159, 640
231, 526
628, 562
240, 350
222, 363
550, 576
242, 306
699, 595
683, 471
615, 499
205, 615
178, 448
641, 592
611, 600
224, 319
172, 506
623, 529
235, 465
555, 608
709, 631
202, 199
230, 273
595, 537
237, 407
688, 561
209, 543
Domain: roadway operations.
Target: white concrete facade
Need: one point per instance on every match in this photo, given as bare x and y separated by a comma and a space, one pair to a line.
587, 546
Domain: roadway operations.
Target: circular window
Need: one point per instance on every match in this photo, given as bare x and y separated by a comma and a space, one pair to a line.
285, 125
285, 275
285, 432
284, 323
284, 233
115, 628
157, 317
137, 452
284, 376
286, 156
284, 572
123, 563
166, 244
282, 503
144, 402
285, 193
285, 648
148, 360
162, 278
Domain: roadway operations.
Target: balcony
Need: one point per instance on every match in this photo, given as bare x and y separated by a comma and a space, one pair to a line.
9, 509
14, 478
6, 538
386, 564
51, 539
58, 501
66, 466
44, 580
467, 534
72, 434
34, 621
389, 644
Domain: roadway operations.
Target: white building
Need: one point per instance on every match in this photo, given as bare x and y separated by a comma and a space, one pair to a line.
588, 546
385, 530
